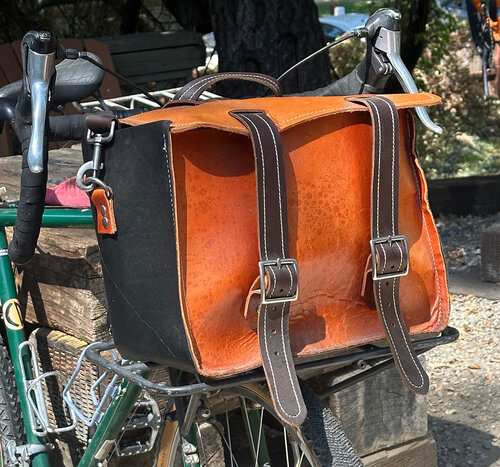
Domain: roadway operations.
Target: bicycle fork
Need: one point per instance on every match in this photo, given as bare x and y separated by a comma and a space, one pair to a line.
14, 327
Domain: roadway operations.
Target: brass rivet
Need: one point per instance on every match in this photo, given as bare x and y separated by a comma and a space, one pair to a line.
105, 222
103, 209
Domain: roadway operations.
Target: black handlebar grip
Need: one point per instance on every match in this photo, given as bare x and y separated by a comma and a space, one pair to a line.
67, 127
33, 186
362, 80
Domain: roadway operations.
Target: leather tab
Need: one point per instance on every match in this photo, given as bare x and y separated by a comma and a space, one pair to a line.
106, 223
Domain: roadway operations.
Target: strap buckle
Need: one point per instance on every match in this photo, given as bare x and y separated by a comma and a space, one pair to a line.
279, 262
389, 240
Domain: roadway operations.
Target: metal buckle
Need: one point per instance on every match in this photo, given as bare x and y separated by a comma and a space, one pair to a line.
389, 240
280, 262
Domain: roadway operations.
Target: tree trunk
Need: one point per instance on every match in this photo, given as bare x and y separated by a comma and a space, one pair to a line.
191, 14
413, 38
268, 36
130, 16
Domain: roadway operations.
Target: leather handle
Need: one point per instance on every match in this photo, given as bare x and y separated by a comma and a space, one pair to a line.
194, 89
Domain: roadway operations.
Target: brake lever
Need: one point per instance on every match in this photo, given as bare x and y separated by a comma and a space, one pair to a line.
388, 43
39, 51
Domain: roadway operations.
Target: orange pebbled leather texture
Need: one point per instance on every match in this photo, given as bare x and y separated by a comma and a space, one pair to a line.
328, 157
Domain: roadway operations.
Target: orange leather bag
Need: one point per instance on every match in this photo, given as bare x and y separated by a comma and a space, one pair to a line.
320, 201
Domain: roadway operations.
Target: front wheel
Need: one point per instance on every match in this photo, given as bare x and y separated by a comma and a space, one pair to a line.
239, 427
11, 422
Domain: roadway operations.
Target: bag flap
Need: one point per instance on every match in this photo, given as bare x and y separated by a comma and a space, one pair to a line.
285, 112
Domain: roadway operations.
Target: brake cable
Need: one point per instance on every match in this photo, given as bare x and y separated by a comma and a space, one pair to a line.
358, 32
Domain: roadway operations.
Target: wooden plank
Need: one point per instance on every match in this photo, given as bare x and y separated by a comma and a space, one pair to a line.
420, 453
127, 43
142, 63
164, 80
62, 287
380, 413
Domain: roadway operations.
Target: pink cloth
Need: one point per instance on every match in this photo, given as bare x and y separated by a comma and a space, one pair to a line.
67, 193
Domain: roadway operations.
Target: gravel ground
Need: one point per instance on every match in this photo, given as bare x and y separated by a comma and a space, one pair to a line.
465, 391
460, 239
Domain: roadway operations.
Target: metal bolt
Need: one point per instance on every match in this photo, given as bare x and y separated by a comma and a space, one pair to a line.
360, 364
102, 208
105, 222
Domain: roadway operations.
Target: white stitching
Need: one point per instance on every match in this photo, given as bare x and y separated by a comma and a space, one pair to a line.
285, 355
263, 182
379, 130
131, 120
385, 259
266, 337
405, 104
390, 337
393, 158
401, 253
279, 183
271, 365
275, 282
396, 311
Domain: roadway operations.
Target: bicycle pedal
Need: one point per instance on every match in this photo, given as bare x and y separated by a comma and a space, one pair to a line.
20, 455
139, 432
36, 395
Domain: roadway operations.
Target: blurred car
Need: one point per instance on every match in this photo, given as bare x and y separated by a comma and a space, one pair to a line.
335, 25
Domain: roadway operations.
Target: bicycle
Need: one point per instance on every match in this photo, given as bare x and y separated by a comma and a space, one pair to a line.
195, 405
485, 29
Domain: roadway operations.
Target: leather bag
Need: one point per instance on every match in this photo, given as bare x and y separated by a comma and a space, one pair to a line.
319, 201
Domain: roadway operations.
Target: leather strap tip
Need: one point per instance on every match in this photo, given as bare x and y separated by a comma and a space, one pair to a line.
105, 213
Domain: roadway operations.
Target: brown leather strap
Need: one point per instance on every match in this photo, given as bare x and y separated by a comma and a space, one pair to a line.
195, 88
278, 272
390, 252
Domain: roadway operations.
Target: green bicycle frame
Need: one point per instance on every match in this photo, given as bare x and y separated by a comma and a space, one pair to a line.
121, 405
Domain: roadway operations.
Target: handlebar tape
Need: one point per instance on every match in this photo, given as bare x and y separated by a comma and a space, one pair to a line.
67, 127
32, 197
74, 127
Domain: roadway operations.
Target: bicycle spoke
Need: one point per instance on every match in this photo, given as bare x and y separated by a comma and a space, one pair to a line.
298, 455
200, 437
233, 459
260, 435
248, 426
229, 436
286, 447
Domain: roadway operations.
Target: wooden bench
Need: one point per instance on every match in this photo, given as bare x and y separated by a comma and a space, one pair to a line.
155, 60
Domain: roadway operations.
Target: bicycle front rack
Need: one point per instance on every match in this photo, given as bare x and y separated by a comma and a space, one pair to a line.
35, 395
140, 431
